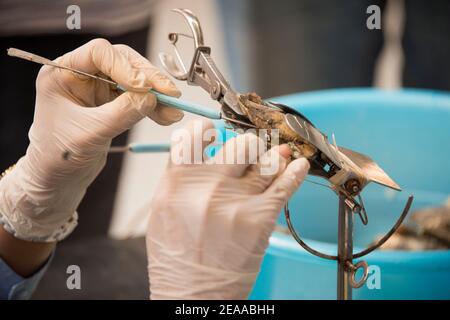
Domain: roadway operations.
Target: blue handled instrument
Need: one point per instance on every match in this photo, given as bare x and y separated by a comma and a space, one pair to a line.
162, 98
141, 148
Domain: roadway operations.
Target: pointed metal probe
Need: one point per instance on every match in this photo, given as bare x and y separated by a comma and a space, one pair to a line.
162, 98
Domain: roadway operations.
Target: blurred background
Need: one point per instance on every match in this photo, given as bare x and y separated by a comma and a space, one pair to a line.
271, 47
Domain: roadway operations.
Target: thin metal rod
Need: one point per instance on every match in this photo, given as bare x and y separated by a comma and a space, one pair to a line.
13, 52
300, 241
318, 183
238, 122
141, 148
345, 250
118, 149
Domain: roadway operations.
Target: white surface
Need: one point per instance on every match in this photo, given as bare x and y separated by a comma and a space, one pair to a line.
389, 67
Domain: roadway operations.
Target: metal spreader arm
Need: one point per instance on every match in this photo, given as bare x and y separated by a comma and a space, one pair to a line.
203, 71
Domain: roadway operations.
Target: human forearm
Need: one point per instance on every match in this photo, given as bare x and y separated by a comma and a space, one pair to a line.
24, 257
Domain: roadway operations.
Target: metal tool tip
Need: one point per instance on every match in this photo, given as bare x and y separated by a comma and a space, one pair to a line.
118, 149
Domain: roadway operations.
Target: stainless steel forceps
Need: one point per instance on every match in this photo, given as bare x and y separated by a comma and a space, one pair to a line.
203, 71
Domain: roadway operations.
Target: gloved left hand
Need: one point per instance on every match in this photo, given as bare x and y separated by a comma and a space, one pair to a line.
211, 219
75, 119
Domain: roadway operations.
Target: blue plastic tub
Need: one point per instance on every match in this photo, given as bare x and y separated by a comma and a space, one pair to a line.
408, 133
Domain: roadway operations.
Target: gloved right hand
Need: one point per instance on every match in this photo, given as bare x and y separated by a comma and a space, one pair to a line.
75, 119
210, 223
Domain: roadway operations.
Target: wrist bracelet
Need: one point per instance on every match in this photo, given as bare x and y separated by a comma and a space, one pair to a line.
4, 173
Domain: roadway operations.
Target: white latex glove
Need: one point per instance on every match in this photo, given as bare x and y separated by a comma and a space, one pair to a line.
210, 224
75, 119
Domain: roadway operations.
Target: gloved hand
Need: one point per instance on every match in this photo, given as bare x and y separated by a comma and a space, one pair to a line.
75, 119
210, 223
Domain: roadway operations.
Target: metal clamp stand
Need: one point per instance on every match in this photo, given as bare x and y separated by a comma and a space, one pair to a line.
346, 271
203, 72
